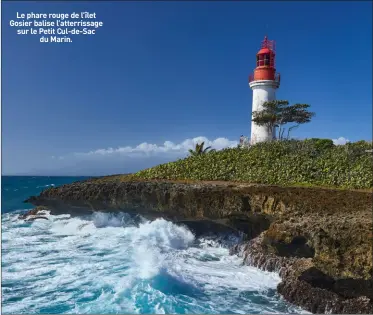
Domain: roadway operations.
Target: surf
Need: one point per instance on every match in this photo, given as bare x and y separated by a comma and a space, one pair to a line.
111, 263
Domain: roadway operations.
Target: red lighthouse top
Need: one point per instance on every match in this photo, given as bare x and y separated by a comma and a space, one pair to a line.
265, 62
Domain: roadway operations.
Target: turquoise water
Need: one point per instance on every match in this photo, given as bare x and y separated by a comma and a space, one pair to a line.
106, 263
16, 189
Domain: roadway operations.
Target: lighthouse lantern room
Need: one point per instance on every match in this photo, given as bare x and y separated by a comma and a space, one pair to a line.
264, 82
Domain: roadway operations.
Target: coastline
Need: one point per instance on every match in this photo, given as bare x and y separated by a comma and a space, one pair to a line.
318, 239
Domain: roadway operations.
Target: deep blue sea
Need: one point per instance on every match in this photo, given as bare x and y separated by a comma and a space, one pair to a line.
107, 264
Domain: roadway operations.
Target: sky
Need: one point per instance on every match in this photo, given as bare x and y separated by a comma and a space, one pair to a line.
160, 76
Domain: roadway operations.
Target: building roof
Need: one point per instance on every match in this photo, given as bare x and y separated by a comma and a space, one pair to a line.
264, 51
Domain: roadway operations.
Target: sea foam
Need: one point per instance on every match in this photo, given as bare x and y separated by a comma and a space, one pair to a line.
107, 263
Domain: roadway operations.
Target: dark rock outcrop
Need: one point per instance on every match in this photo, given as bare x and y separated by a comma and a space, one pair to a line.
34, 214
318, 300
305, 285
319, 240
31, 219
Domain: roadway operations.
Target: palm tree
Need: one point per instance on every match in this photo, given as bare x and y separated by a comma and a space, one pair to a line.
200, 150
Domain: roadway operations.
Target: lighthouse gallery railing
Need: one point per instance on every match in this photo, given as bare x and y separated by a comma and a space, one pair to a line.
277, 77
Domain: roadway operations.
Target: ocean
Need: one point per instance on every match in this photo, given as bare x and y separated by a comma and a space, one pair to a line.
106, 263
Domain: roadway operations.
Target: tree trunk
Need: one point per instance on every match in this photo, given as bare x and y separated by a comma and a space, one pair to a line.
290, 129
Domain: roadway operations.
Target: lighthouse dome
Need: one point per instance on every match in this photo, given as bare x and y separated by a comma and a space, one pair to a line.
264, 51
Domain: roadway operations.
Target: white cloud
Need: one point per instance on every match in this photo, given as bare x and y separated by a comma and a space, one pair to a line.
167, 148
125, 159
340, 141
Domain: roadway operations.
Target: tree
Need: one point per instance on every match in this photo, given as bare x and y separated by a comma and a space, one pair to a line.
279, 113
200, 150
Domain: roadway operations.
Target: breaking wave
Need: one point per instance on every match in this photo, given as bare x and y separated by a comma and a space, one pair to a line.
111, 263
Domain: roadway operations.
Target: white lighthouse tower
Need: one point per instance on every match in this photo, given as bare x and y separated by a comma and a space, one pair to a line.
264, 82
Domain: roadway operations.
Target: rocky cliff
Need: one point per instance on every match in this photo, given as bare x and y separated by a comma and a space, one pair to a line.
320, 240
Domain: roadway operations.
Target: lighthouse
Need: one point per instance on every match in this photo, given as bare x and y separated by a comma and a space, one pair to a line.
264, 82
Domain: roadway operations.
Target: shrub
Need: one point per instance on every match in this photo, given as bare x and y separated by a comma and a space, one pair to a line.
311, 162
321, 144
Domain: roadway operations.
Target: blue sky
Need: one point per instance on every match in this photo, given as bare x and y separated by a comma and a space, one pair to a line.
161, 72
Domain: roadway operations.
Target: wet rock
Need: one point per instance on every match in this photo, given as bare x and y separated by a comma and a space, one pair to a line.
318, 300
297, 247
352, 288
205, 227
317, 278
250, 224
31, 219
305, 285
33, 212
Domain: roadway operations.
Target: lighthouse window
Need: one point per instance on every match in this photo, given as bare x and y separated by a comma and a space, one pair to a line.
260, 62
266, 60
257, 61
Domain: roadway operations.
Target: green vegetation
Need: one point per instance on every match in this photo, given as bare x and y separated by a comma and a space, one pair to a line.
279, 113
200, 150
313, 162
321, 144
